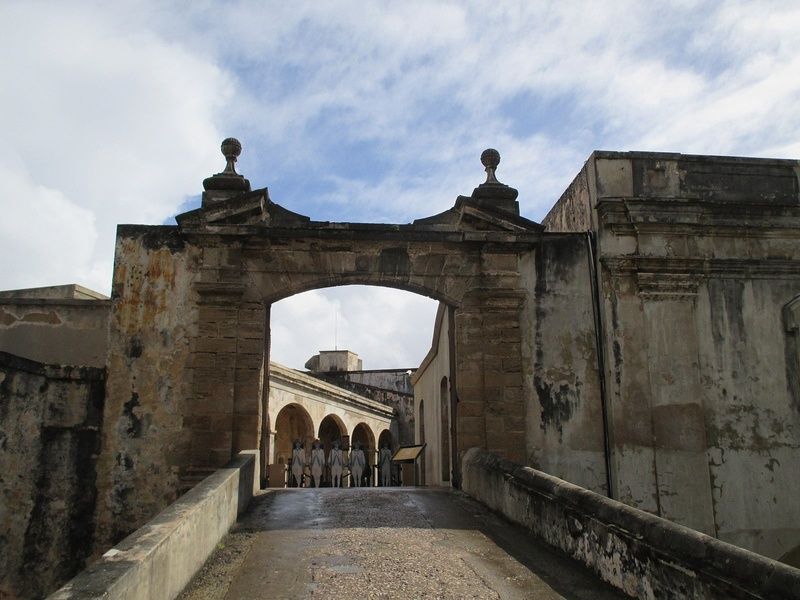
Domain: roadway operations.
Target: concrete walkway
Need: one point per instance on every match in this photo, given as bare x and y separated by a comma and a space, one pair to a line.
384, 543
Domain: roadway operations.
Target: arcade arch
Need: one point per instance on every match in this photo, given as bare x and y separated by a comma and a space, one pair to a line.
386, 436
363, 434
292, 423
332, 429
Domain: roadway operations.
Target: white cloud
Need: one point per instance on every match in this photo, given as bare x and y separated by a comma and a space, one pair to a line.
385, 327
113, 112
119, 125
43, 234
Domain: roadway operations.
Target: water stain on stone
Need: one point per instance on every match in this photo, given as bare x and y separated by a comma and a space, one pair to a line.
558, 404
134, 429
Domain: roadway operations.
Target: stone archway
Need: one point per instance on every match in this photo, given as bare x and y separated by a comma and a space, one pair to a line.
189, 335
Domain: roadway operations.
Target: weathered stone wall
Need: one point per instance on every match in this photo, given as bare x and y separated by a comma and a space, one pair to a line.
398, 380
146, 441
573, 210
698, 258
50, 417
643, 555
56, 331
564, 412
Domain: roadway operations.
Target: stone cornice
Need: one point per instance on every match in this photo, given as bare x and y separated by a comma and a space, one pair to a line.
697, 268
690, 217
213, 292
72, 302
659, 286
360, 232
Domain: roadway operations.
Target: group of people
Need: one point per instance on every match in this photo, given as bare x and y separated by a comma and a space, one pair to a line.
356, 463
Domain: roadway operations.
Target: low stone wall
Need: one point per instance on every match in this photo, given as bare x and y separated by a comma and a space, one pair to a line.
160, 558
50, 418
643, 555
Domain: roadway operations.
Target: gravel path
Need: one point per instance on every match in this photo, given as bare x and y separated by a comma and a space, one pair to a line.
384, 543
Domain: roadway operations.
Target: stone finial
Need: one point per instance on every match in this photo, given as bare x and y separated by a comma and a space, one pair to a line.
490, 158
229, 180
231, 149
492, 192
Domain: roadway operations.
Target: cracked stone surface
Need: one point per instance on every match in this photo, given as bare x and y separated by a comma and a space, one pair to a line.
385, 543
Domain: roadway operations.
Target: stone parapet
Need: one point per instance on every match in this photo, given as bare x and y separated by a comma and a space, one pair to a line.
643, 555
159, 559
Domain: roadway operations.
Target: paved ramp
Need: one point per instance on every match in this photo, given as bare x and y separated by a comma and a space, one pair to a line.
384, 543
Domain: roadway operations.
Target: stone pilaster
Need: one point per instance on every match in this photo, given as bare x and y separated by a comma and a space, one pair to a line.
491, 409
210, 413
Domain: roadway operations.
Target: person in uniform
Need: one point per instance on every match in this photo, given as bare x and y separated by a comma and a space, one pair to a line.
336, 462
385, 464
317, 462
298, 462
357, 462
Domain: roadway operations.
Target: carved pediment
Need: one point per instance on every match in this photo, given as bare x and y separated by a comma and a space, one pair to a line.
472, 214
249, 208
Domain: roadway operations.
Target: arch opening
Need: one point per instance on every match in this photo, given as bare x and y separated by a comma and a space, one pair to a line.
356, 280
350, 319
331, 429
386, 437
363, 435
292, 423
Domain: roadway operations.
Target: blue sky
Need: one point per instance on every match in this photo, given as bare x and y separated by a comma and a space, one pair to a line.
113, 113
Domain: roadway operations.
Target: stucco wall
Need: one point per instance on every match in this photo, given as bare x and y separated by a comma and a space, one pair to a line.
573, 210
49, 439
57, 331
697, 259
564, 411
427, 382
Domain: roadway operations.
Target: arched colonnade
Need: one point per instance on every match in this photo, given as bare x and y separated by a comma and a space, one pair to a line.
301, 407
